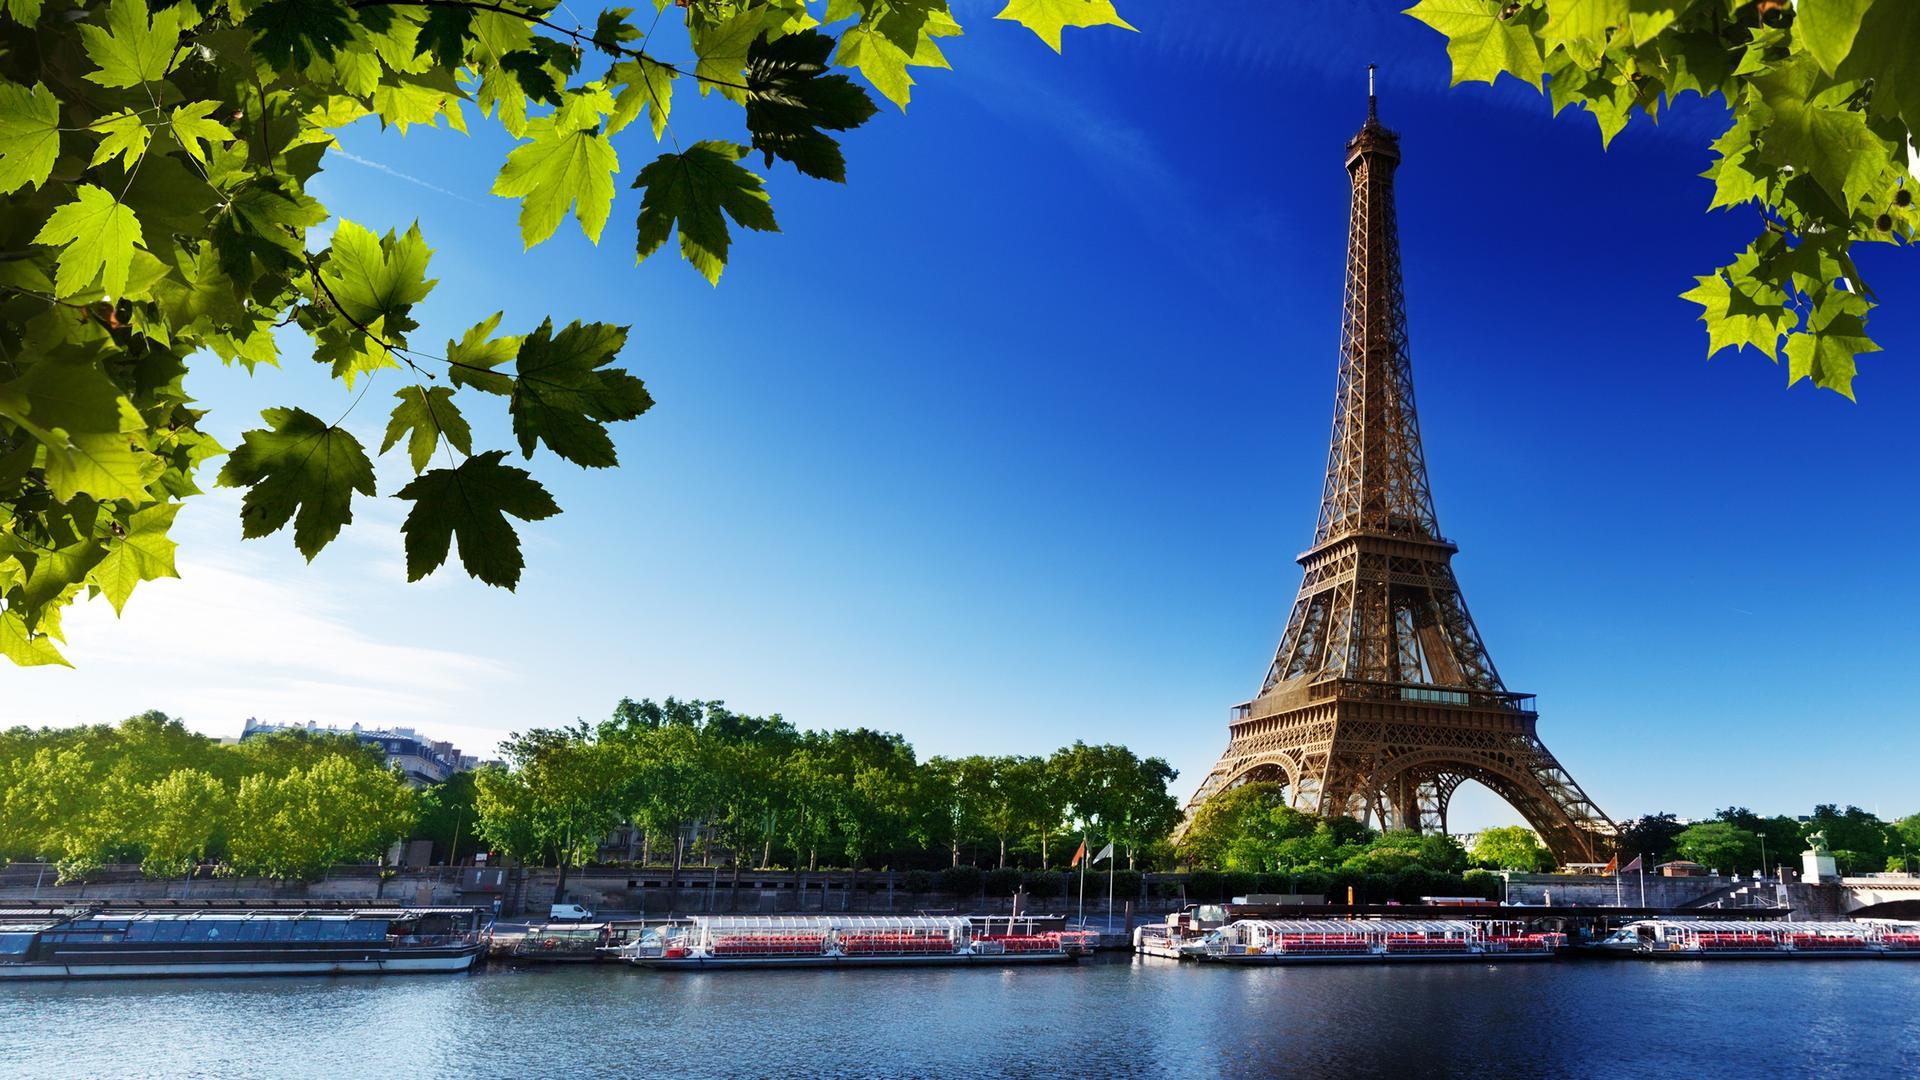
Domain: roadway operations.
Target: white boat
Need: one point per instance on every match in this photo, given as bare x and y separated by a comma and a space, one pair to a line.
765, 941
1336, 941
1726, 939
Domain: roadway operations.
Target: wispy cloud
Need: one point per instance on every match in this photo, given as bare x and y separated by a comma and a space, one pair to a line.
348, 155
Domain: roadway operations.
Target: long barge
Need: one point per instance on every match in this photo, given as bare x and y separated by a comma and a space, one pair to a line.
1262, 942
1710, 939
92, 944
707, 942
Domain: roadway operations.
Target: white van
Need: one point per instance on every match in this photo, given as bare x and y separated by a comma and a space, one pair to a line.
569, 912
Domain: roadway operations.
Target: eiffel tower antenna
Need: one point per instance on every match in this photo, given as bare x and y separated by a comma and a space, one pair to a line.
1381, 699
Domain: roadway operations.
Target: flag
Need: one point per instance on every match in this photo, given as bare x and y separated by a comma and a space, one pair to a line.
1634, 865
1613, 865
1105, 853
1080, 854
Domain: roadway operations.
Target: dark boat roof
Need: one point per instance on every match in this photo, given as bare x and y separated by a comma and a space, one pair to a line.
46, 918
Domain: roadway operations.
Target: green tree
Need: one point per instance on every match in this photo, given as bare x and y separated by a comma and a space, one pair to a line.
1718, 845
185, 812
338, 810
559, 797
155, 173
1013, 801
448, 817
1510, 847
1822, 101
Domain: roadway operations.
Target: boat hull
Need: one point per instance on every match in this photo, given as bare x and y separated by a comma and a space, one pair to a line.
1292, 959
706, 963
425, 964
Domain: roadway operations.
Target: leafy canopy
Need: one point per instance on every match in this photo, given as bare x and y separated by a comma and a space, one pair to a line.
154, 164
1823, 100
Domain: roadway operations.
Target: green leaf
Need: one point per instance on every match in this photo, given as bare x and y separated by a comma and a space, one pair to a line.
612, 31
29, 135
377, 278
131, 51
1830, 143
560, 168
1584, 21
1827, 28
883, 47
1481, 42
472, 503
477, 353
791, 96
98, 234
126, 138
24, 648
104, 465
722, 48
294, 33
1737, 177
24, 12
428, 414
1825, 350
1047, 18
298, 463
692, 190
566, 395
143, 554
192, 126
644, 86
1753, 314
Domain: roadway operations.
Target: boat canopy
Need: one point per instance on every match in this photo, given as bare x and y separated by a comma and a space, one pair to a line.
940, 924
1362, 927
1760, 926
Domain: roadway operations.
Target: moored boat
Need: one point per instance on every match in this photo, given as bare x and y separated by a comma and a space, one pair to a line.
730, 941
1719, 939
1322, 941
102, 943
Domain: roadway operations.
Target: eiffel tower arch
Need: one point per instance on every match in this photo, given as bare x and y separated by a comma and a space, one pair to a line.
1381, 699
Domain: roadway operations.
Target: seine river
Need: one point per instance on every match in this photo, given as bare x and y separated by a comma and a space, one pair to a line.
1114, 1017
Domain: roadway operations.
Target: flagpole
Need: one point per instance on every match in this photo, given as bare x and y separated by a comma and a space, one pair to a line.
1643, 878
1083, 881
1112, 860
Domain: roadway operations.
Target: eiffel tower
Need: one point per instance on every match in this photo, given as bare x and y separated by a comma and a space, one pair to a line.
1381, 699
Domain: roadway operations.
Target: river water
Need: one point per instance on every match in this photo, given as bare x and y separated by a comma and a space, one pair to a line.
1109, 1017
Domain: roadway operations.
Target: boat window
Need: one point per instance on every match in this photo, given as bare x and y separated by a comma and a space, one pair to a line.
140, 931
275, 930
15, 944
333, 930
369, 929
250, 931
169, 931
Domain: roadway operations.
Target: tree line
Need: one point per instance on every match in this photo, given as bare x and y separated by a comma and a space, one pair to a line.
284, 805
1737, 840
696, 778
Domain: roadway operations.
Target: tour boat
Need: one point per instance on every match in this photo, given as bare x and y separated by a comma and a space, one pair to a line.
1726, 939
728, 941
99, 943
1322, 941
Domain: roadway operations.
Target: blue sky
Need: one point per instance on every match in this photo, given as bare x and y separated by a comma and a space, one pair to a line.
1013, 439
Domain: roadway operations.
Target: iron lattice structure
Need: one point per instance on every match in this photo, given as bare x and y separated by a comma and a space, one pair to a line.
1381, 699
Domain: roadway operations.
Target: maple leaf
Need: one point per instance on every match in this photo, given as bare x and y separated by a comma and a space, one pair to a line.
143, 554
564, 166
645, 85
1482, 40
298, 464
1835, 335
477, 353
126, 137
791, 96
98, 234
1047, 18
697, 191
192, 126
377, 278
29, 135
428, 414
130, 50
471, 503
566, 395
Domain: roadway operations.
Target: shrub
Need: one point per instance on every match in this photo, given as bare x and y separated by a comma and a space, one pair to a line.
1205, 886
917, 881
1126, 885
1312, 883
1164, 889
1044, 885
961, 881
1001, 882
1232, 885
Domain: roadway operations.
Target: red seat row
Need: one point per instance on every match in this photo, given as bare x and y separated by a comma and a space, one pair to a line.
894, 943
770, 945
1026, 943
